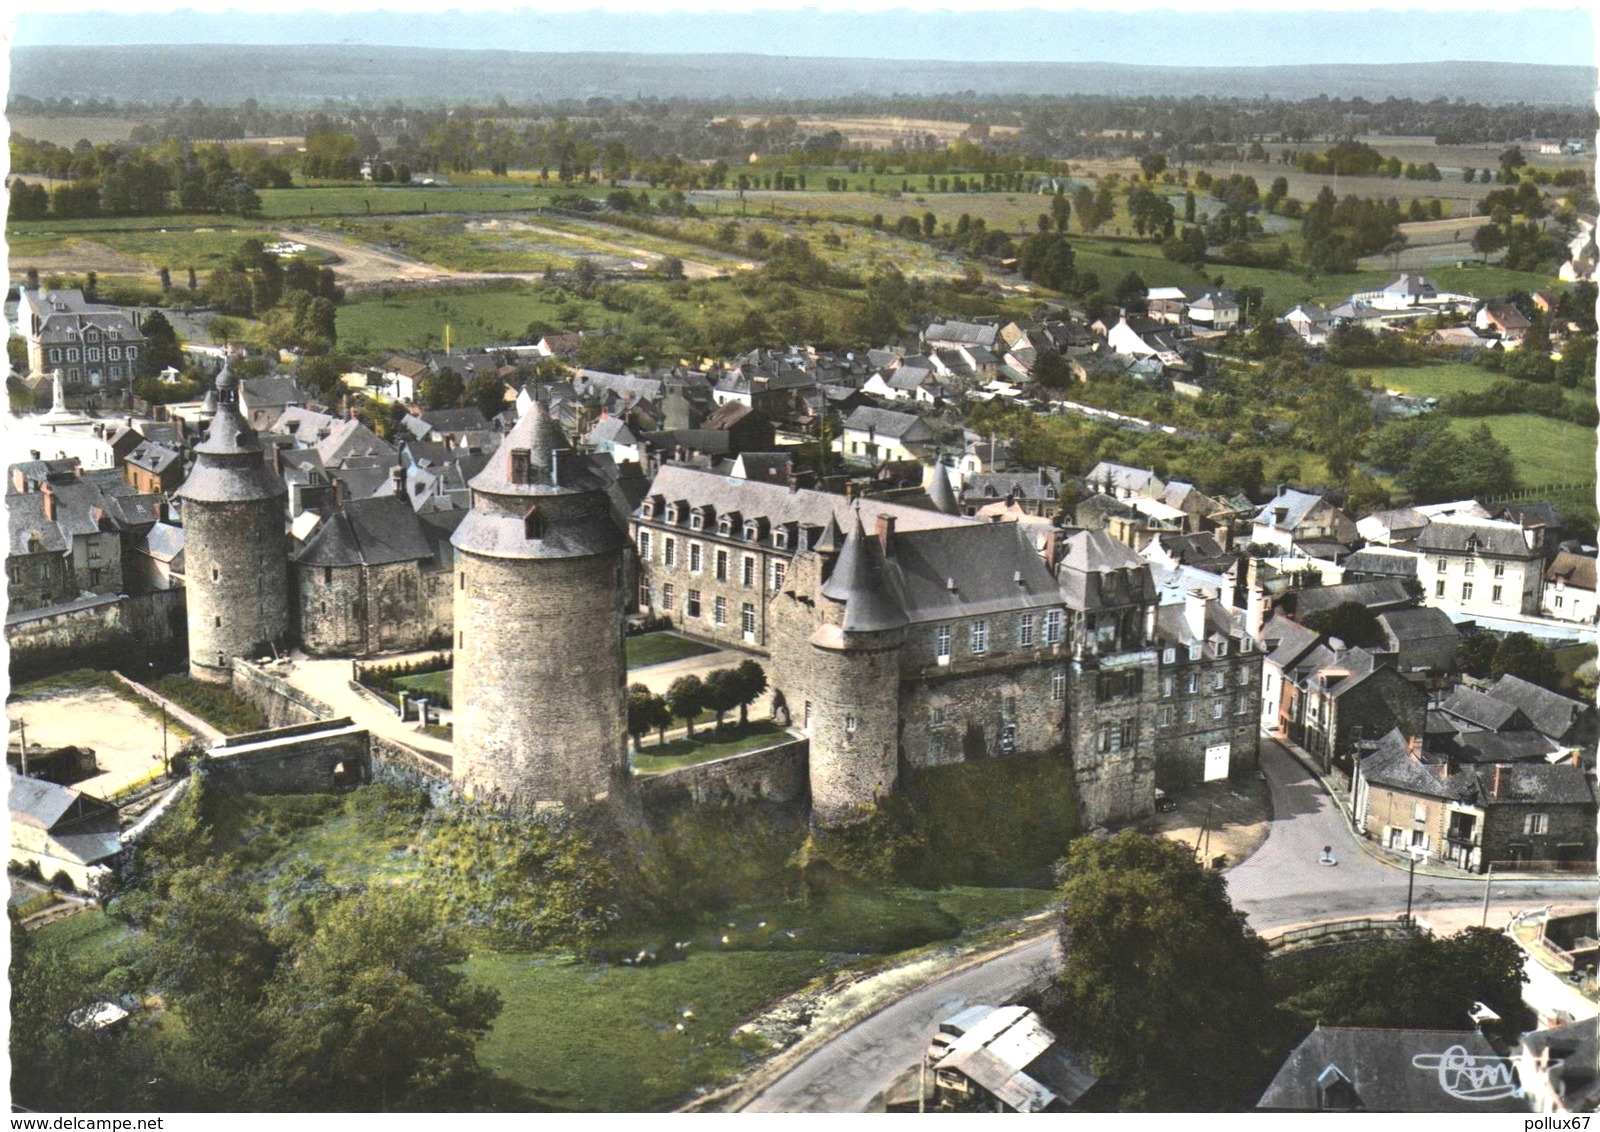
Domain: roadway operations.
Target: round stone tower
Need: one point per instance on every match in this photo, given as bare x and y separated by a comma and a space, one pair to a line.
540, 673
236, 552
855, 680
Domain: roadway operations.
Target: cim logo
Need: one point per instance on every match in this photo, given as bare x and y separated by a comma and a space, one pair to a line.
1471, 1078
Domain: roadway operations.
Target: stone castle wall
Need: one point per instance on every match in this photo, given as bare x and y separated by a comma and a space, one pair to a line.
365, 610
1112, 740
281, 703
134, 630
777, 774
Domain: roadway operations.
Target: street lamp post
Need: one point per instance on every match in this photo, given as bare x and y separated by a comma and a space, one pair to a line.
1488, 876
1411, 884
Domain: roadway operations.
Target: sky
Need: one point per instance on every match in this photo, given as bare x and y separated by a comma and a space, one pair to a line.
1139, 31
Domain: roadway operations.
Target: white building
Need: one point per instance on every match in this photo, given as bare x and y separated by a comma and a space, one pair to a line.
1569, 585
1482, 567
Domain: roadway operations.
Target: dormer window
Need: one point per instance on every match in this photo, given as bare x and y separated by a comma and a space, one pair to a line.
672, 513
521, 462
725, 526
648, 509
752, 531
780, 538
697, 520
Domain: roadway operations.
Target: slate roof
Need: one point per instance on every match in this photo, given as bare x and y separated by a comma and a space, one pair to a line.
164, 541
154, 458
940, 491
967, 333
30, 532
1480, 710
1423, 638
1501, 539
377, 531
1172, 625
1041, 484
1391, 765
39, 804
1285, 641
1577, 1047
1010, 1054
1299, 504
1534, 783
1376, 560
1505, 746
1376, 595
1098, 572
272, 392
470, 419
229, 464
1121, 476
887, 422
611, 430
1379, 1066
1550, 713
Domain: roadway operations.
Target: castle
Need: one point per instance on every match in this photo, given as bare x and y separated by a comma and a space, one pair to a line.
896, 635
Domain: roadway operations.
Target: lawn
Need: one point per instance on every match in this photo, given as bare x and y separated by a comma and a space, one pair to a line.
93, 938
1544, 451
660, 647
1437, 379
732, 740
218, 705
427, 683
382, 200
413, 320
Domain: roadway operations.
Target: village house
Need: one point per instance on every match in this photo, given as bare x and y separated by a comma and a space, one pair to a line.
1336, 696
1293, 518
61, 832
1480, 567
1210, 692
94, 346
1340, 1069
873, 436
1001, 1059
1505, 320
1569, 588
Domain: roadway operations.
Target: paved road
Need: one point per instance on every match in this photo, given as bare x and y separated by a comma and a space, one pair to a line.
1280, 885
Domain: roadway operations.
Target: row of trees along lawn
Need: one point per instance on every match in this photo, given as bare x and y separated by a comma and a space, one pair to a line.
722, 690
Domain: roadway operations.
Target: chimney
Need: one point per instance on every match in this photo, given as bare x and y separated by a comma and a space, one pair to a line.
884, 529
33, 453
397, 477
19, 481
49, 501
1194, 613
1052, 548
276, 456
1496, 792
338, 495
1414, 748
794, 481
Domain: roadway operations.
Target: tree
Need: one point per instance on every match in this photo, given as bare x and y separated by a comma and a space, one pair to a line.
686, 698
723, 689
161, 347
441, 390
1577, 366
487, 392
1163, 982
1520, 655
1130, 293
1456, 466
930, 223
1060, 212
1335, 418
374, 1012
1487, 240
752, 682
643, 707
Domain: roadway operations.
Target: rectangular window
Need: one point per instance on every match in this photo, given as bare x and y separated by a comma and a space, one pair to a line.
1025, 631
1469, 567
1246, 643
722, 565
1058, 686
1194, 651
1536, 825
114, 354
936, 744
696, 558
693, 609
1216, 680
1052, 627
1438, 589
1558, 601
747, 619
1441, 564
1242, 704
669, 551
1105, 738
669, 594
1167, 716
1495, 594
463, 578
1166, 685
55, 355
1419, 811
747, 574
941, 642
1128, 730
644, 595
1169, 656
1192, 684
1499, 569
778, 569
1188, 712
644, 546
936, 716
1466, 591
719, 611
979, 637
1217, 709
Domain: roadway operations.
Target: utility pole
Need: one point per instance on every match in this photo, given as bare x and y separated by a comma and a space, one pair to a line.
1411, 884
1487, 877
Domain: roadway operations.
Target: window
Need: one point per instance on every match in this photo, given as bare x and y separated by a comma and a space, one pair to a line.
780, 538
777, 570
216, 622
978, 636
133, 352
1438, 589
1558, 601
725, 526
1536, 825
747, 574
327, 575
644, 546
1216, 680
91, 355
1166, 685
1216, 709
697, 520
462, 578
1495, 594
1247, 643
1008, 738
1466, 591
1167, 715
1244, 676
215, 573
1441, 564
114, 354
1169, 656
1192, 684
693, 609
1105, 738
1058, 686
719, 611
1499, 569
722, 565
936, 745
747, 620
644, 595
936, 716
849, 725
1052, 627
461, 640
1419, 812
1188, 712
752, 531
1469, 567
1242, 704
55, 355
1128, 730
669, 551
941, 643
1194, 651
1025, 630
696, 556
669, 594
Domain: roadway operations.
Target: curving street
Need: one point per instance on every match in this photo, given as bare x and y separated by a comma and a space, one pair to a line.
1279, 886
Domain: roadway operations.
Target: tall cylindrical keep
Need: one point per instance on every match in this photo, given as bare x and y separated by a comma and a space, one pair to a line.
236, 550
539, 692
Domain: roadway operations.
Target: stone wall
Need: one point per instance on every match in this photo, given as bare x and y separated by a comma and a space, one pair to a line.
236, 569
1187, 722
366, 610
401, 766
179, 714
1112, 741
281, 703
777, 774
129, 630
303, 759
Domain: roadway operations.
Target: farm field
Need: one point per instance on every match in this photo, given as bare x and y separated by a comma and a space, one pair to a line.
1438, 379
374, 320
1544, 451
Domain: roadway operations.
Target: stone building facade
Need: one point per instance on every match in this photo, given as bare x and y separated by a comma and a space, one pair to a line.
714, 550
1208, 695
236, 548
538, 616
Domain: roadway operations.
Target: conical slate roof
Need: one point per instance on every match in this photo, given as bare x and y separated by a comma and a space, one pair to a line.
831, 540
229, 464
940, 491
553, 467
861, 581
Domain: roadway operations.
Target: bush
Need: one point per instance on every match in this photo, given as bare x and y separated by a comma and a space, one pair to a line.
385, 678
219, 706
62, 881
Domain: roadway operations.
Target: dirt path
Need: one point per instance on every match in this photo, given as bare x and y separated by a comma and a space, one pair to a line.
360, 266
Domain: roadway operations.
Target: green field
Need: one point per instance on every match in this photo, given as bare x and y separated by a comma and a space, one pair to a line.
660, 647
1437, 379
703, 748
380, 200
427, 683
415, 320
1544, 451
